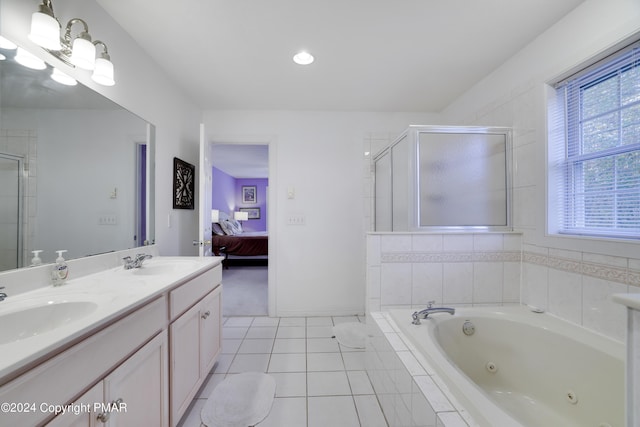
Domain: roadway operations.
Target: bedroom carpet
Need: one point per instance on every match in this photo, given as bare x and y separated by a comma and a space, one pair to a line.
244, 291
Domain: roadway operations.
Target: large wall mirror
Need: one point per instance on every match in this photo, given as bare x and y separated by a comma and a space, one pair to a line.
76, 170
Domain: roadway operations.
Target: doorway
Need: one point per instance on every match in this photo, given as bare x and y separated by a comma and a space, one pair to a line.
238, 167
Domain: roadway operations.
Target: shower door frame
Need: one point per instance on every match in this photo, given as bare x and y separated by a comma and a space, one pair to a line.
20, 206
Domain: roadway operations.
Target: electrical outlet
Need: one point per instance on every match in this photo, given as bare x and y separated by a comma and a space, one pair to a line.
109, 219
295, 220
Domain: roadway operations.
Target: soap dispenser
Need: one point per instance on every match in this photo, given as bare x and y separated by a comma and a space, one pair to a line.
60, 270
36, 258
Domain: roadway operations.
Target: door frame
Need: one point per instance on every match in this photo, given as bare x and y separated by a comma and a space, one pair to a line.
271, 142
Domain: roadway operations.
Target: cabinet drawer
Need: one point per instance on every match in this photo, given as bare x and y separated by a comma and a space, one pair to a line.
185, 296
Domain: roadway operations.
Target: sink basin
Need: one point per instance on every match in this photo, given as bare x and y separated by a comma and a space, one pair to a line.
32, 321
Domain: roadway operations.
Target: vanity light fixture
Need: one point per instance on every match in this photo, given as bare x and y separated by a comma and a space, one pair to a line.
103, 71
79, 50
303, 58
63, 78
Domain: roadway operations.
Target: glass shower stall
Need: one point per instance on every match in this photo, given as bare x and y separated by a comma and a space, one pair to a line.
444, 178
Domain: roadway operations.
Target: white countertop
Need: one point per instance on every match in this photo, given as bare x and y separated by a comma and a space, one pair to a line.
104, 296
630, 300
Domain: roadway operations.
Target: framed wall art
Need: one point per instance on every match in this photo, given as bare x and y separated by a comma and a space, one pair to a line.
183, 184
249, 194
254, 213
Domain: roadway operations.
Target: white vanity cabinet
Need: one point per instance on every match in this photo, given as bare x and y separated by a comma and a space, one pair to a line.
134, 394
140, 366
195, 338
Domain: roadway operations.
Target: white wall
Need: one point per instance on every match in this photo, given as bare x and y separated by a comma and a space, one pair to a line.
319, 267
142, 89
571, 277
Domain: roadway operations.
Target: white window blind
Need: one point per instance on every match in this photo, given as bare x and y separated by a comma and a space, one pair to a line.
595, 149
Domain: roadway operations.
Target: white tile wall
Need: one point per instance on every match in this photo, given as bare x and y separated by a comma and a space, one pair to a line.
577, 286
409, 270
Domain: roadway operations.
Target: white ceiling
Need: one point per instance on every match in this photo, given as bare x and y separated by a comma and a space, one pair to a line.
371, 55
242, 161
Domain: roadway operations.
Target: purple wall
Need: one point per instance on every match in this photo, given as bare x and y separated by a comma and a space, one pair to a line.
223, 191
227, 197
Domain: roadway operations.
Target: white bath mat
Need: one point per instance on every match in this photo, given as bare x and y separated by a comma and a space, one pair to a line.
351, 334
240, 400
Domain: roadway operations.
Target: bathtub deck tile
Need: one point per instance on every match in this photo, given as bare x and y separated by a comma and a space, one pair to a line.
434, 395
450, 419
396, 343
411, 364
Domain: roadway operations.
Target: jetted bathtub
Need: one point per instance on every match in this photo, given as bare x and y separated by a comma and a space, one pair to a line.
514, 367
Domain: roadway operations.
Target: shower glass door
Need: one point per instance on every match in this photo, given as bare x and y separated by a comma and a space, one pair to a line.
11, 168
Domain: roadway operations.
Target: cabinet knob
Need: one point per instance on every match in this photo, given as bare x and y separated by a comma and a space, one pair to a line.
104, 416
206, 314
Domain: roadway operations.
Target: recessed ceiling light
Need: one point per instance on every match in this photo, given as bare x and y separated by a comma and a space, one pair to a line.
303, 58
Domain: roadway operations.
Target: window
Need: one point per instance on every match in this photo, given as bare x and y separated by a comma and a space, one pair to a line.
595, 149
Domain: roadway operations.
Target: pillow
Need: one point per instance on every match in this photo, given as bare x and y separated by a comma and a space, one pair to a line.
237, 227
227, 228
217, 229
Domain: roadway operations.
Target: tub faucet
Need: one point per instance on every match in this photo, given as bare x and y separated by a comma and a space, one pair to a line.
423, 314
136, 262
2, 294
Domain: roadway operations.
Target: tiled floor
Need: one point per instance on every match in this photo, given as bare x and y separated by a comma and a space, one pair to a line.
319, 383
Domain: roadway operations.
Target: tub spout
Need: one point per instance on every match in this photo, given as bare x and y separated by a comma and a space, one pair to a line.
423, 314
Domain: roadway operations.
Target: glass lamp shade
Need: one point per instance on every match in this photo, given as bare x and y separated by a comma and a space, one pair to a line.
63, 78
241, 216
103, 72
7, 44
83, 54
29, 60
45, 31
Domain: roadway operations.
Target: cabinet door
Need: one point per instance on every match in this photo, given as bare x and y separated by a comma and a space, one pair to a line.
210, 332
82, 414
184, 335
141, 385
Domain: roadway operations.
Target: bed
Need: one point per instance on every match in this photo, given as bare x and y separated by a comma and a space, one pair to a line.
229, 239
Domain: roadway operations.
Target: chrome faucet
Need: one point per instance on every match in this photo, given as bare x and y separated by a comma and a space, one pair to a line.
423, 314
2, 294
136, 262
